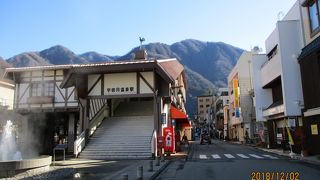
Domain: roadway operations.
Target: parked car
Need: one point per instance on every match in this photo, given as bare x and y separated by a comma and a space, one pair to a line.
205, 137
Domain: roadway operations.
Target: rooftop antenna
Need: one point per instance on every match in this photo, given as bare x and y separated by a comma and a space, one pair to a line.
141, 39
280, 15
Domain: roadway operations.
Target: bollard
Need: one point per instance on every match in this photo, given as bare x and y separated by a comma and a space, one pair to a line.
157, 161
150, 166
162, 158
124, 177
140, 173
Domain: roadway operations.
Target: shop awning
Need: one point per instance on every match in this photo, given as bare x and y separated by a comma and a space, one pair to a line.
177, 114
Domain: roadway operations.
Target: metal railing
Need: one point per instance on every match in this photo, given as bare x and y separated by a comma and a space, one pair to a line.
153, 142
97, 119
79, 144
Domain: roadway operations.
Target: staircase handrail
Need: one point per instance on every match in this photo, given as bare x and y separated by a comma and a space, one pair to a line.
153, 141
97, 119
79, 144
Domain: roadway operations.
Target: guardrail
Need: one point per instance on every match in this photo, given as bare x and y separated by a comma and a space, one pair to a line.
79, 144
97, 119
153, 142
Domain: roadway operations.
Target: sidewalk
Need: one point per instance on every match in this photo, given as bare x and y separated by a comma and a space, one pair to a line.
310, 159
132, 171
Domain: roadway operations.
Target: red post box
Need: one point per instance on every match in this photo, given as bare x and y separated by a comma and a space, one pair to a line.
160, 142
168, 140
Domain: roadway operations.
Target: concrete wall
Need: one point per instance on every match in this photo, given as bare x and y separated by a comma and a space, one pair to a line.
290, 38
263, 97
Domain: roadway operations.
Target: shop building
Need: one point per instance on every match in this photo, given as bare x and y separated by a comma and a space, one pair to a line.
309, 62
241, 111
278, 89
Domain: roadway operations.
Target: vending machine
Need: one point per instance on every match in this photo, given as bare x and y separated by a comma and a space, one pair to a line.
168, 140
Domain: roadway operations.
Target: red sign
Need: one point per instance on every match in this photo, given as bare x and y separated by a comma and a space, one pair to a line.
168, 139
160, 141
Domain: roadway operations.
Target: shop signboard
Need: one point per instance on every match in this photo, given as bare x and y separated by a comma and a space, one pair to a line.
163, 118
236, 93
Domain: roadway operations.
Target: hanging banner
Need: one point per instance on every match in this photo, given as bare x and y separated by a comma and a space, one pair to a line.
236, 92
289, 136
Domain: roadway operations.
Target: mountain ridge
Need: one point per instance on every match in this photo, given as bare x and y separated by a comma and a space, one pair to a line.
207, 64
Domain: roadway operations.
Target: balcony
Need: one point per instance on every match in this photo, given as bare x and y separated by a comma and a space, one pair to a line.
40, 100
274, 109
270, 70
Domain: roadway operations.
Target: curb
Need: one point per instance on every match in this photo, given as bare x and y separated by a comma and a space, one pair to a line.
160, 170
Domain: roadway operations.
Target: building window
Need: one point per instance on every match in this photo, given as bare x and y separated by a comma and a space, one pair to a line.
201, 106
200, 100
207, 105
39, 89
48, 89
207, 100
201, 112
36, 89
313, 8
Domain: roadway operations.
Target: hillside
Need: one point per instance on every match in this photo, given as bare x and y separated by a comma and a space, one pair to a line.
207, 64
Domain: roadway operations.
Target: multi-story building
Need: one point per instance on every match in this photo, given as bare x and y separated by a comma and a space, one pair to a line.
129, 100
205, 108
221, 111
309, 61
277, 85
241, 110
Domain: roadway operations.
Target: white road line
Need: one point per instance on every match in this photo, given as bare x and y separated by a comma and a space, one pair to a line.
203, 156
269, 156
243, 156
229, 156
215, 156
256, 156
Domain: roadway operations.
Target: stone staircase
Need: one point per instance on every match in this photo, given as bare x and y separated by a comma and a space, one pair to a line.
125, 136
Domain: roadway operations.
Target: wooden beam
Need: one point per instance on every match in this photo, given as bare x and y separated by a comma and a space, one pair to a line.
122, 96
148, 84
95, 83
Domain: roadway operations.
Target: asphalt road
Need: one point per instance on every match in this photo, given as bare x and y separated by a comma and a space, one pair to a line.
222, 160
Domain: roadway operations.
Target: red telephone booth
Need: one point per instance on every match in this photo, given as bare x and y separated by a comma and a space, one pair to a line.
168, 139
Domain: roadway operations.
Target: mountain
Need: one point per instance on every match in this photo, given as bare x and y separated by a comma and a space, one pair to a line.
28, 59
3, 64
213, 60
207, 64
62, 55
93, 56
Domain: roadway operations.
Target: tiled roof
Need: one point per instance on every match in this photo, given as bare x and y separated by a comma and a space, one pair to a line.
35, 68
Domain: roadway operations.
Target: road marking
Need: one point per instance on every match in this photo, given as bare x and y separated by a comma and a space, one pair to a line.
229, 156
269, 156
256, 156
215, 156
243, 156
203, 156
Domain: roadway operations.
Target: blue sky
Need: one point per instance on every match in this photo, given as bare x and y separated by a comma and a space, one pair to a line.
113, 27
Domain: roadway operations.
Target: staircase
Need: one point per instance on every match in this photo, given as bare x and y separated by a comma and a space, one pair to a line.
127, 135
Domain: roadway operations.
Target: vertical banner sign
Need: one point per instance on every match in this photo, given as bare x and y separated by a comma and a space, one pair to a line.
168, 139
236, 93
163, 118
236, 97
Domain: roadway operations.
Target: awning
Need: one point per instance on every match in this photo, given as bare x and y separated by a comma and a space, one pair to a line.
312, 47
176, 114
179, 116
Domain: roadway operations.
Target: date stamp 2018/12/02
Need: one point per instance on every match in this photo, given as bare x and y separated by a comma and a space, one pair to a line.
255, 175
